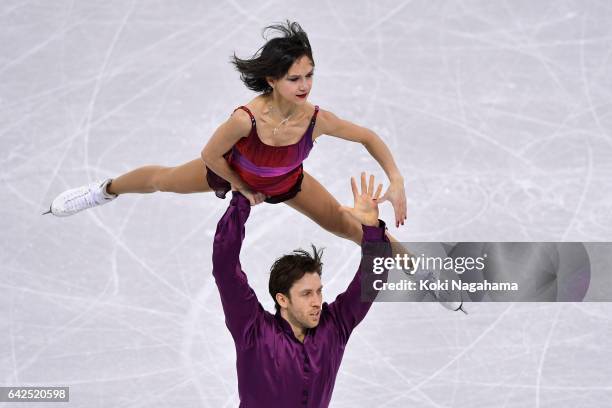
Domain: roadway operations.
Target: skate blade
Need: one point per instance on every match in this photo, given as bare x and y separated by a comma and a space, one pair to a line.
449, 300
462, 309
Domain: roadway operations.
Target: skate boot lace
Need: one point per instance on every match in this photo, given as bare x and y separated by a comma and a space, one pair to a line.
84, 200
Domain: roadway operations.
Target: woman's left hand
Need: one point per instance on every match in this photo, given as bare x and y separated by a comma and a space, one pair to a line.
396, 195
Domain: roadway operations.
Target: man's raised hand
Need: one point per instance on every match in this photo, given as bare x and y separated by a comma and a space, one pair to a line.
365, 208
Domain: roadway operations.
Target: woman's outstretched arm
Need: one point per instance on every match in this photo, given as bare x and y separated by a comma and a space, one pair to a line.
331, 125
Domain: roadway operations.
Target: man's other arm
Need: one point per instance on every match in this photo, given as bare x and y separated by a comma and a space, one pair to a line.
351, 306
240, 304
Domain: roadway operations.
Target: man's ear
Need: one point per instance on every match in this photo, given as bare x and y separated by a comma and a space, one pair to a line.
282, 300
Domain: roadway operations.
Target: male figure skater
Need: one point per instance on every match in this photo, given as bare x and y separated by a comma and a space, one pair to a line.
291, 359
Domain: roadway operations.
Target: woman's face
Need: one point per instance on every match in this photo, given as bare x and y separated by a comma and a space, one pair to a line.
295, 86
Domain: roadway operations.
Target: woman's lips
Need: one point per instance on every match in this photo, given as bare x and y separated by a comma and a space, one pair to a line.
302, 96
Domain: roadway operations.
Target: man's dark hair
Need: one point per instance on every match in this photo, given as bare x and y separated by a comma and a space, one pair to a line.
275, 58
290, 268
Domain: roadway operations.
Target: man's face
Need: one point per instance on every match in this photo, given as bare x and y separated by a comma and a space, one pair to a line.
305, 299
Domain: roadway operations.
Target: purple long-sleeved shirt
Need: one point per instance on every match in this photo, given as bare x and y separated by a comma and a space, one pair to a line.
275, 370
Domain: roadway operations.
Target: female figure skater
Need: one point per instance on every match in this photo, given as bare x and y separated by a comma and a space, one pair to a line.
259, 150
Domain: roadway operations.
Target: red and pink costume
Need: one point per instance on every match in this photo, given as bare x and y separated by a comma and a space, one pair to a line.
275, 171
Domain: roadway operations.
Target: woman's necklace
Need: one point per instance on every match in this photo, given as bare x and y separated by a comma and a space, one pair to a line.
282, 122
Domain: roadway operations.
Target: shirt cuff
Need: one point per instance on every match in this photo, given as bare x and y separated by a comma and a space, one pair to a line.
374, 233
238, 200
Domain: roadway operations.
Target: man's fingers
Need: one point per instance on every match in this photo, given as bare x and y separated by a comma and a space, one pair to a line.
256, 198
354, 188
364, 187
371, 186
378, 191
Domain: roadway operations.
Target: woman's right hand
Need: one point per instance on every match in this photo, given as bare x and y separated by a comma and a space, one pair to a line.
253, 197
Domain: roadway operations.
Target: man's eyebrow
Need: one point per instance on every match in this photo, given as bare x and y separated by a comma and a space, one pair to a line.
310, 290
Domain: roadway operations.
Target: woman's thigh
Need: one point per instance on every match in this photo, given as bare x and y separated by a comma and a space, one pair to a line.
319, 205
186, 178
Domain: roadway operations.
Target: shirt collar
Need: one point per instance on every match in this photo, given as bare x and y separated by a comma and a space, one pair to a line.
284, 324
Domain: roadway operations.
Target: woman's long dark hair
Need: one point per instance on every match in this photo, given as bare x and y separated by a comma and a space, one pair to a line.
275, 58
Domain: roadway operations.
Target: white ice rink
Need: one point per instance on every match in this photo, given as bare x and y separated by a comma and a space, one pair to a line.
499, 114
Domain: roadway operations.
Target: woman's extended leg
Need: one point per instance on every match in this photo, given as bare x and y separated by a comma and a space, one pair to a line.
185, 179
319, 205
